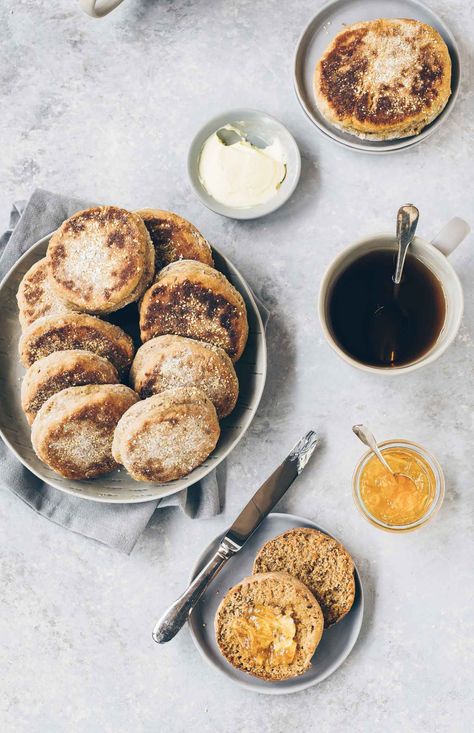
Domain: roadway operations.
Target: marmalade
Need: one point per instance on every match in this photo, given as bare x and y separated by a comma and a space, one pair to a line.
402, 499
267, 635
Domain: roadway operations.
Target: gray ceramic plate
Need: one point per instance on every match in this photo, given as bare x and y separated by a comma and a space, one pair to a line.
335, 646
320, 31
119, 487
256, 125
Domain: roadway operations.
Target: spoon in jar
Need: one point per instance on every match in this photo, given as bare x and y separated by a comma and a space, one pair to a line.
368, 439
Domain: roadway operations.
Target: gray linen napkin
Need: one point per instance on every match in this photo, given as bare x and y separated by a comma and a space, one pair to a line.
116, 525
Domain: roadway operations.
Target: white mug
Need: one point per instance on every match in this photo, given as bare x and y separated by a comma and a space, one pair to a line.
434, 255
99, 8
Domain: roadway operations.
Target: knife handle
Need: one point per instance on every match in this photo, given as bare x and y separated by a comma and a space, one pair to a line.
176, 616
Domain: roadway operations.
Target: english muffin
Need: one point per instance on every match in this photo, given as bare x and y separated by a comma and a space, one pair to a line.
101, 259
76, 331
384, 79
73, 430
318, 561
170, 361
269, 625
166, 436
194, 300
35, 296
174, 238
60, 370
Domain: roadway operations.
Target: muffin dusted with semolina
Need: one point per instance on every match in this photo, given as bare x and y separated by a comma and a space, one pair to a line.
60, 370
101, 259
73, 430
175, 238
194, 300
36, 297
269, 626
166, 436
76, 331
171, 361
384, 79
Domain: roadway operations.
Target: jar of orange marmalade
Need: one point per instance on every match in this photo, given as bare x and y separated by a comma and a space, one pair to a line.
407, 501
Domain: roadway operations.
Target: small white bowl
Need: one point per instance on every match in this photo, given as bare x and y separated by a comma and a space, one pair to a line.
254, 124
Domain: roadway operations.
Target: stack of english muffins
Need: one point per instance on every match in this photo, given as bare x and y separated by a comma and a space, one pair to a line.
270, 624
93, 403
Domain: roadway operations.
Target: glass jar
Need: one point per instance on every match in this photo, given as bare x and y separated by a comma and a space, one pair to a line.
435, 475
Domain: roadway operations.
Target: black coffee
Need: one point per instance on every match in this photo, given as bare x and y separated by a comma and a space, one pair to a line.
380, 323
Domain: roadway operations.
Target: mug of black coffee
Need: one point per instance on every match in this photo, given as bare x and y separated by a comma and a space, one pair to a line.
384, 328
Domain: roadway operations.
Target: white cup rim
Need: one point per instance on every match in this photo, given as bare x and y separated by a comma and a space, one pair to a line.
438, 348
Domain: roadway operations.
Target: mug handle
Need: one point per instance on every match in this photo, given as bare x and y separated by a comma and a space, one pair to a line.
98, 8
451, 235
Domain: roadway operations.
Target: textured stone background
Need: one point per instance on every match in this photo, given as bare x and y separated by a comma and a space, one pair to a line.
105, 110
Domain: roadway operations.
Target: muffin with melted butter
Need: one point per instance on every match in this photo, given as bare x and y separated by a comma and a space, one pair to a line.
269, 626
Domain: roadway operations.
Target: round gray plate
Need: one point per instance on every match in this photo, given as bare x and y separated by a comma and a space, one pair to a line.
335, 646
320, 31
118, 487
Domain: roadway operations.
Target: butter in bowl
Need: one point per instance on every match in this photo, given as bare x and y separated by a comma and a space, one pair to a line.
244, 164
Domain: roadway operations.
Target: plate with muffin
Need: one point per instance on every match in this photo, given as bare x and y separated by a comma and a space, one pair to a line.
285, 613
132, 357
377, 76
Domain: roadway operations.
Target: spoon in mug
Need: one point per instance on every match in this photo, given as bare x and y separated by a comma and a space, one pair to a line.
407, 221
390, 321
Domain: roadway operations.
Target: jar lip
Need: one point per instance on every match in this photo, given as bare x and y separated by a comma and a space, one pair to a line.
439, 486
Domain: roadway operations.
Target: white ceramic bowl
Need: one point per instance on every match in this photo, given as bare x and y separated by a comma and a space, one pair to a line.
118, 487
266, 128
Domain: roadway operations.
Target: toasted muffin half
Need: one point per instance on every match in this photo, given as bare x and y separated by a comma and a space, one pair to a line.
318, 561
269, 625
384, 79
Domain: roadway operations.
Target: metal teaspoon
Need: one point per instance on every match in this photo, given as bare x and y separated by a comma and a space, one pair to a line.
407, 220
368, 439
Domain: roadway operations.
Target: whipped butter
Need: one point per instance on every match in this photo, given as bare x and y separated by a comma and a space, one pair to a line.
237, 173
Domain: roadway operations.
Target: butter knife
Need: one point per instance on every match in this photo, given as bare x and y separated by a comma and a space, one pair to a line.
244, 526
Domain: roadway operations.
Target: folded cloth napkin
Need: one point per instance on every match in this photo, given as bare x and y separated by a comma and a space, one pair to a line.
116, 525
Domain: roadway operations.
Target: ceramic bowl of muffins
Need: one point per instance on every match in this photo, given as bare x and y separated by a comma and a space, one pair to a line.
131, 329
291, 621
376, 83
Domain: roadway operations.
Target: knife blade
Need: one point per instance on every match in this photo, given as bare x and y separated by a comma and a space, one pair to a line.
249, 519
272, 490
